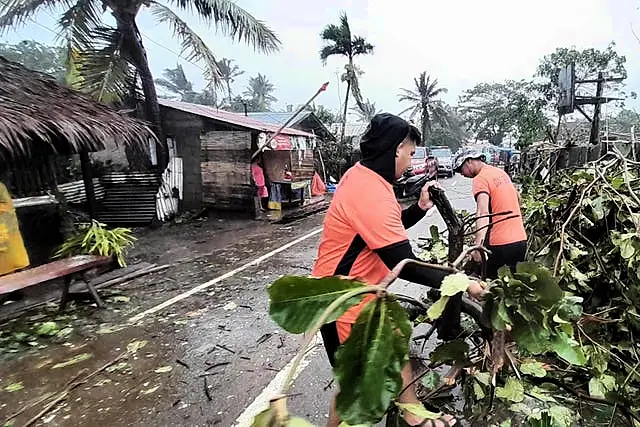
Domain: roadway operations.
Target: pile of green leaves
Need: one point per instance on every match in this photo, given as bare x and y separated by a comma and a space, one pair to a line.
585, 224
95, 239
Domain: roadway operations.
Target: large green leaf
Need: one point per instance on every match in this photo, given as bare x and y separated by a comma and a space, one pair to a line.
531, 337
512, 391
454, 284
600, 386
419, 410
535, 369
296, 303
369, 363
452, 351
437, 308
568, 349
545, 284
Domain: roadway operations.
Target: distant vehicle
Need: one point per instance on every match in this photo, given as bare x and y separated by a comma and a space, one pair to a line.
445, 160
424, 163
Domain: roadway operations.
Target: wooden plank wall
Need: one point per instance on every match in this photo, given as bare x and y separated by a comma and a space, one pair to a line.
274, 164
226, 170
304, 171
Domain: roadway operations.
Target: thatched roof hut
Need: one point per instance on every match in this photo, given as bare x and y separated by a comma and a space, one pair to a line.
39, 115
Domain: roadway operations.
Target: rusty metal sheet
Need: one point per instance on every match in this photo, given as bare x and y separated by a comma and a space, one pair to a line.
50, 271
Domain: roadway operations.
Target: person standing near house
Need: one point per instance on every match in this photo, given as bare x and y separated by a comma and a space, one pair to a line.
257, 174
503, 235
13, 255
364, 234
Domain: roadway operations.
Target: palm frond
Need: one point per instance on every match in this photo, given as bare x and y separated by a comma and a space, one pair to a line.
409, 95
228, 70
407, 110
78, 23
331, 50
337, 39
105, 71
359, 46
168, 85
192, 44
14, 13
232, 20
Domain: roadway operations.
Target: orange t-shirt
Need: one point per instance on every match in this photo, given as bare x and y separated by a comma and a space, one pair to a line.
364, 215
503, 197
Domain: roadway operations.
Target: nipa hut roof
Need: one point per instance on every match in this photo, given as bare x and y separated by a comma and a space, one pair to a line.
36, 112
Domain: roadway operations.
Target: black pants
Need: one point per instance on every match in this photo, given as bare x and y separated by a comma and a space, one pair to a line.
505, 255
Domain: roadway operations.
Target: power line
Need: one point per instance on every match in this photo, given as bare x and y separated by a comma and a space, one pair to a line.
172, 51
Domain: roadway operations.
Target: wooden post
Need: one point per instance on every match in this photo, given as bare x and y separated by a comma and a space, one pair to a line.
594, 137
87, 177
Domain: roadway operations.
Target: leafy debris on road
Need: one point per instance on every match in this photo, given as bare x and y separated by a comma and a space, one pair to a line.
75, 359
14, 387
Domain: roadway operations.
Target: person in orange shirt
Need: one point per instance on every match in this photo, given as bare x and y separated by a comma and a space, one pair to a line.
504, 235
365, 235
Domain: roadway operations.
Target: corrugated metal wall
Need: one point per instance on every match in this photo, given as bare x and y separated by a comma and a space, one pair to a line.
74, 191
130, 199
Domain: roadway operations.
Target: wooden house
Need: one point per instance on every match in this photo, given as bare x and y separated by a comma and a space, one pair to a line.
43, 124
216, 148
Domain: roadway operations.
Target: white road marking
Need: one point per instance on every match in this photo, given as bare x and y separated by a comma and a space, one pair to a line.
272, 389
218, 279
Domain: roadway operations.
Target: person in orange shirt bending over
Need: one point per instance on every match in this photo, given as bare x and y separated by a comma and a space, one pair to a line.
504, 235
365, 235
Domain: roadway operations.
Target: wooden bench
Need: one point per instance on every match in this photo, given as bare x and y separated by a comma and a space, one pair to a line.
65, 269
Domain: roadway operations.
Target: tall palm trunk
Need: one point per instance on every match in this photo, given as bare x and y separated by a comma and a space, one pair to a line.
346, 104
229, 91
127, 24
425, 125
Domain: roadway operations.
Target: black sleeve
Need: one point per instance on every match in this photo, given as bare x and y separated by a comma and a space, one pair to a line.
391, 255
412, 215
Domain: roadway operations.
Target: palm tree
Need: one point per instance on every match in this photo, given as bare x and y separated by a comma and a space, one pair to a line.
423, 98
365, 111
338, 40
114, 57
176, 81
228, 74
259, 91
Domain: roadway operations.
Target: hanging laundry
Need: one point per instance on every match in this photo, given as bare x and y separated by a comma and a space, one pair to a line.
275, 197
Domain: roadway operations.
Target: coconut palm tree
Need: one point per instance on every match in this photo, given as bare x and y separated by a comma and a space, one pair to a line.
338, 40
365, 111
176, 81
260, 91
425, 104
113, 55
228, 74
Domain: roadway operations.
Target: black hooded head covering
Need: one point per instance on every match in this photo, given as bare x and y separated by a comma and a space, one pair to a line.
380, 142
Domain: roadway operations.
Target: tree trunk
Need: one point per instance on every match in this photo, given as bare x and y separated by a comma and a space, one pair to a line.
229, 91
425, 125
152, 108
344, 114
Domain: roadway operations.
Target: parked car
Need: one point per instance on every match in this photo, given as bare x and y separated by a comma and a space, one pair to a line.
445, 160
424, 163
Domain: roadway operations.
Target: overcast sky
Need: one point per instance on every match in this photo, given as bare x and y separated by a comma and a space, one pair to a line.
460, 42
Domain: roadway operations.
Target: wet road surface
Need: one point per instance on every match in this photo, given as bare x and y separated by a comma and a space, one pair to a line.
211, 357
